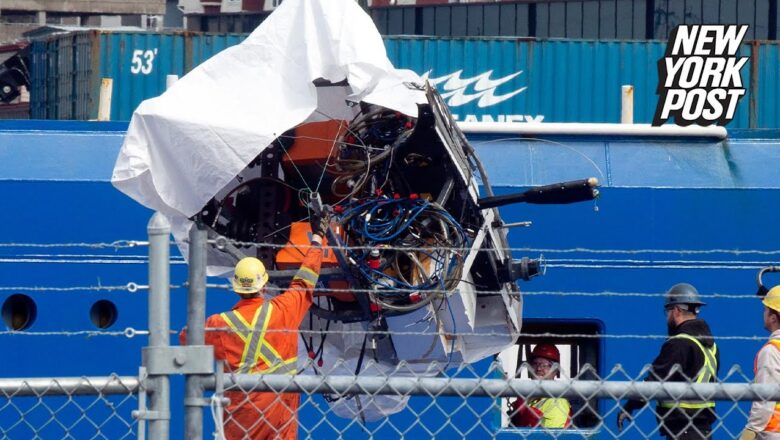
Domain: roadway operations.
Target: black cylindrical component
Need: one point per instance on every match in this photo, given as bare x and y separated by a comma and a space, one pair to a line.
557, 193
562, 193
528, 268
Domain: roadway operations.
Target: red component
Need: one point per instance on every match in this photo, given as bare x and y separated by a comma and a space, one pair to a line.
338, 209
311, 354
396, 196
415, 297
378, 191
523, 415
397, 114
413, 196
373, 259
408, 125
374, 307
319, 362
350, 139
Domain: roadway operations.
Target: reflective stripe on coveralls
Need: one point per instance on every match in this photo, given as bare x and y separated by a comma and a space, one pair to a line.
255, 345
306, 275
774, 422
706, 374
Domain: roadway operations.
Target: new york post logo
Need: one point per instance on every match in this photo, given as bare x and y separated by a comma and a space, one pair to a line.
699, 79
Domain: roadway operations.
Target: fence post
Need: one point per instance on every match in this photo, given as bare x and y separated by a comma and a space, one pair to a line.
196, 323
104, 104
170, 80
159, 230
627, 104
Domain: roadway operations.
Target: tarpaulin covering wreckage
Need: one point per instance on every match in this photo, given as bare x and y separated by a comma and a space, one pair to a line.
309, 105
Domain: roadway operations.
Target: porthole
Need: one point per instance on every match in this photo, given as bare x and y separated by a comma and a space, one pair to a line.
103, 314
19, 312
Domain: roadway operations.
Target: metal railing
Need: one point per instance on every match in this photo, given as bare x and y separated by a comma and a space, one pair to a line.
69, 407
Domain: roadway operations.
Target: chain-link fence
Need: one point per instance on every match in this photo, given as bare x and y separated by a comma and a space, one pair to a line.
476, 402
471, 401
361, 379
72, 408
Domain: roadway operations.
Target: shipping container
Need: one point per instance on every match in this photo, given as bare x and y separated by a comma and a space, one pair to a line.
67, 70
590, 19
550, 80
486, 79
15, 111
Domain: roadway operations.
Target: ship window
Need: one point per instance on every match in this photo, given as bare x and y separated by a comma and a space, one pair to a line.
19, 312
580, 359
103, 314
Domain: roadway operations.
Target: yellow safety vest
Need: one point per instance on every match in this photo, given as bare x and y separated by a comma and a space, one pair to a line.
256, 347
706, 374
555, 411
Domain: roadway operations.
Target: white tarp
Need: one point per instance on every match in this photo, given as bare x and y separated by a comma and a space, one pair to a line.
185, 145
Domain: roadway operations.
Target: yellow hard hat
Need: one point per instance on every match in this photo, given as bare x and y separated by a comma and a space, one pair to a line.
250, 276
772, 299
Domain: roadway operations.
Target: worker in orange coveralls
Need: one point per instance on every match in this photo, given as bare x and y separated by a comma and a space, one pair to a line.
251, 343
544, 412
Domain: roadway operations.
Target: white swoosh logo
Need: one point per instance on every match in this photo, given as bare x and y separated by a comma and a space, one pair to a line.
454, 88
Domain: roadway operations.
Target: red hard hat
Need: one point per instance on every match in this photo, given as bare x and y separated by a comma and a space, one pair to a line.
547, 351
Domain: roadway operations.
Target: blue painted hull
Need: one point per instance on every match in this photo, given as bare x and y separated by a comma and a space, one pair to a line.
660, 195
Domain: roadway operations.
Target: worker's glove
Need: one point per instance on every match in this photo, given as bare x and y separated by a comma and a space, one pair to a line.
524, 416
748, 435
622, 417
319, 223
515, 407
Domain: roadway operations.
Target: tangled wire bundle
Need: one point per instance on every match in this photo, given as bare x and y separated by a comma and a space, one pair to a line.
404, 249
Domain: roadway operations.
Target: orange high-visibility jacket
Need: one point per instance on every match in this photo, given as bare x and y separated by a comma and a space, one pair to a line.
271, 347
774, 421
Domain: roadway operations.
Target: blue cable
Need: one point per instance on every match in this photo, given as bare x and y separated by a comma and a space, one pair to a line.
416, 213
388, 219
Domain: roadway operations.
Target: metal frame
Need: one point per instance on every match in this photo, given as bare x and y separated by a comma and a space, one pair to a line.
70, 386
445, 386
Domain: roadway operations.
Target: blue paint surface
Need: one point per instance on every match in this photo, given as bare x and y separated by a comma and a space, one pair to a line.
662, 194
